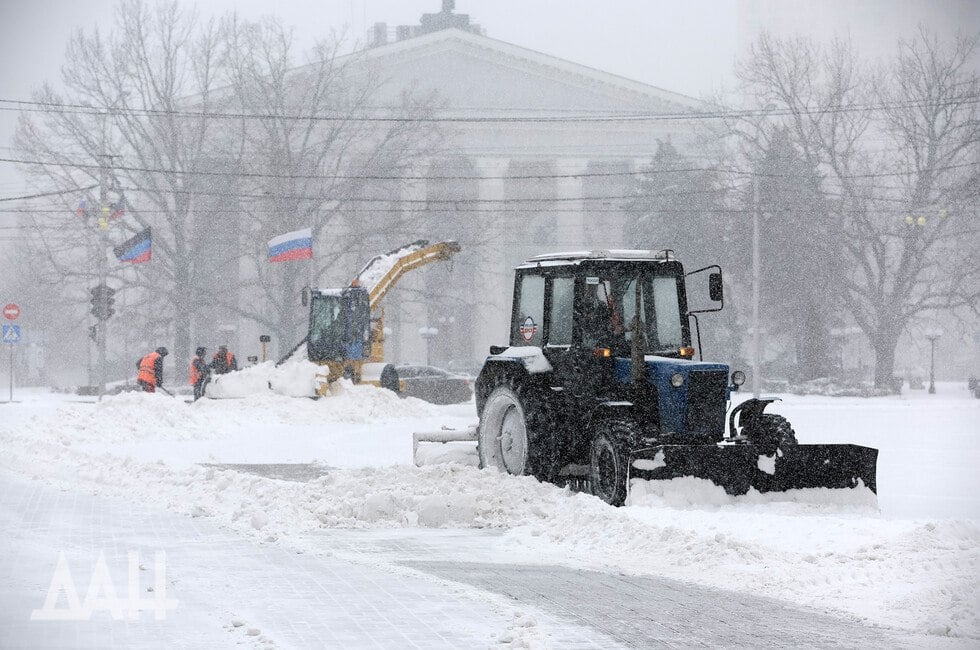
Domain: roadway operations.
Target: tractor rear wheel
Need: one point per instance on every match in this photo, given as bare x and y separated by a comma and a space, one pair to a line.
503, 438
608, 468
514, 435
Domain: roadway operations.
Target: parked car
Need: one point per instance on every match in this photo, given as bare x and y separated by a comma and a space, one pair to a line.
434, 384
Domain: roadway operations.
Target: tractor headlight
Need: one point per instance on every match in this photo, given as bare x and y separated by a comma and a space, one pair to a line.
677, 380
738, 378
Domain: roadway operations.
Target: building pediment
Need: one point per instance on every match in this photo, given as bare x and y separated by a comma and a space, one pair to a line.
473, 71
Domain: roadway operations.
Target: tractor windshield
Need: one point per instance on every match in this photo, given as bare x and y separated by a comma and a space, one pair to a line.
611, 313
326, 336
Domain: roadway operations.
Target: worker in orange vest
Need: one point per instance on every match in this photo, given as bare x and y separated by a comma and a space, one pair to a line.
200, 373
224, 361
151, 370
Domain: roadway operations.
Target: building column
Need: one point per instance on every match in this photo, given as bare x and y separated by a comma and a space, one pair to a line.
575, 226
494, 282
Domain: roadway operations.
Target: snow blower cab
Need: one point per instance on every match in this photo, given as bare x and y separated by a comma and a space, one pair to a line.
344, 338
599, 386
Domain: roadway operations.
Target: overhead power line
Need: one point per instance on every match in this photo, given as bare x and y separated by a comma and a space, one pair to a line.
27, 197
82, 109
440, 177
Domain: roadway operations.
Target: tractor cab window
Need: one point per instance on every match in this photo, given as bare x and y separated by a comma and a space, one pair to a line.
613, 303
530, 312
602, 314
326, 336
667, 309
562, 306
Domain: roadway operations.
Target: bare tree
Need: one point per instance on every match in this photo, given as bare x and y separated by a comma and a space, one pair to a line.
123, 122
219, 141
898, 148
318, 149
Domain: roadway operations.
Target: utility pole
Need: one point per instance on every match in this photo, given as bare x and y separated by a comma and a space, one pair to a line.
933, 337
756, 276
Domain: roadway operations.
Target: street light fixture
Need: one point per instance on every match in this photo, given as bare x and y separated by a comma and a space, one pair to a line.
932, 336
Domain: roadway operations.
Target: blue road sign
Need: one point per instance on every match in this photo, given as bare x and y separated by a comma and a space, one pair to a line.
11, 334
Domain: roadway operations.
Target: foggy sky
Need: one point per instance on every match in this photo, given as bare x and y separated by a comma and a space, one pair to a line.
684, 46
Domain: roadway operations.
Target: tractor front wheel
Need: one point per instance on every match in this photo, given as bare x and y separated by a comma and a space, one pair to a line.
772, 432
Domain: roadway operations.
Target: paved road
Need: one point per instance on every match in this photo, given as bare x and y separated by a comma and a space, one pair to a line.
635, 611
645, 612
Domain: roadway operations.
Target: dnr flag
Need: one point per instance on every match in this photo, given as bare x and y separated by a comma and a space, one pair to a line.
137, 249
296, 245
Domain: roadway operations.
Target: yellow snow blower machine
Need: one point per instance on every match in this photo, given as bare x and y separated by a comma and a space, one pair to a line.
346, 326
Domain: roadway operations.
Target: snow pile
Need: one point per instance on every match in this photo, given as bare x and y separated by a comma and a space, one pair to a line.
688, 492
127, 417
833, 387
381, 265
139, 416
295, 378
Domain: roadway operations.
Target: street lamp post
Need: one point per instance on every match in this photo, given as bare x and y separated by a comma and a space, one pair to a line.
428, 333
933, 337
756, 290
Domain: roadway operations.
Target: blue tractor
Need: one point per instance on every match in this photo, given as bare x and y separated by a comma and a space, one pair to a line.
599, 385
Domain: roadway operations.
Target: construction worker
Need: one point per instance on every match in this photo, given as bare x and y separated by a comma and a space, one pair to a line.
224, 361
151, 370
200, 373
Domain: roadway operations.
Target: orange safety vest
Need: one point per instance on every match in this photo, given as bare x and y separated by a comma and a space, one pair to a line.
147, 371
228, 359
195, 373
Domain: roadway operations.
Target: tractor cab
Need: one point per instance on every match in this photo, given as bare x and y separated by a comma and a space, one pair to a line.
598, 386
613, 328
601, 303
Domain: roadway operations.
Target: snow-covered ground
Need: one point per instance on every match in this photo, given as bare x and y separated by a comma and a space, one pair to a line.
908, 560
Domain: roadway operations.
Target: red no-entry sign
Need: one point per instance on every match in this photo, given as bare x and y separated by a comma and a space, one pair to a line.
11, 311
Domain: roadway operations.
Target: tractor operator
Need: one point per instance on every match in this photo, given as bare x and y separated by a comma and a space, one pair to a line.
151, 370
603, 320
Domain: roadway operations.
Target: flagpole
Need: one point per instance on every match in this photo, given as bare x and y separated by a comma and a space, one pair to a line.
311, 272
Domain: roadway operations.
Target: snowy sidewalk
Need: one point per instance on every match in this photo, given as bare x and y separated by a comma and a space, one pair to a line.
277, 597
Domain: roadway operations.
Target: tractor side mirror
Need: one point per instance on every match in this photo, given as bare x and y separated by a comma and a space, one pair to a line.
305, 296
716, 290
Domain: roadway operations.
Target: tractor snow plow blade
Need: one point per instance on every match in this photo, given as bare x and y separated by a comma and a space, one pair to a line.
737, 468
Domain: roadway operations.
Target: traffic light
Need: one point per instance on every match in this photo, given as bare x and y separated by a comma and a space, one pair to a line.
102, 301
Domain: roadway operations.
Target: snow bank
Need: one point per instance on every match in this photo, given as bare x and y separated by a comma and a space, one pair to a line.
693, 492
295, 378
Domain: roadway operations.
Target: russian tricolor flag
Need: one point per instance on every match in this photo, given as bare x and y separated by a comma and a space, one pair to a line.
136, 249
296, 245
